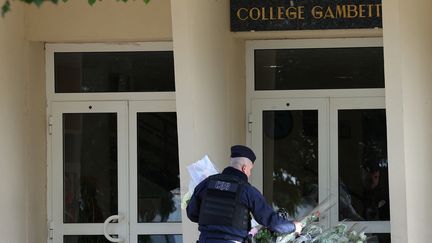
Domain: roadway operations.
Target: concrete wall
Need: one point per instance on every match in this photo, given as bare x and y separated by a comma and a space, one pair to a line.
408, 58
105, 21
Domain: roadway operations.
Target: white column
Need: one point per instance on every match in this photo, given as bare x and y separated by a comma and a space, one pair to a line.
408, 73
203, 54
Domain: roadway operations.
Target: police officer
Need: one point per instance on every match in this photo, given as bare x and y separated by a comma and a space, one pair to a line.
221, 204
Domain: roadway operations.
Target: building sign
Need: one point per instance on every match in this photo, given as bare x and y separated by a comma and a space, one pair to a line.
261, 15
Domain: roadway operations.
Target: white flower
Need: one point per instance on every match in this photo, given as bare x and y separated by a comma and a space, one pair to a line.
185, 200
362, 236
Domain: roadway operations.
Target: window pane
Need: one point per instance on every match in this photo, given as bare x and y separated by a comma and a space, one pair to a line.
290, 160
326, 68
84, 72
160, 239
85, 239
90, 167
158, 168
363, 166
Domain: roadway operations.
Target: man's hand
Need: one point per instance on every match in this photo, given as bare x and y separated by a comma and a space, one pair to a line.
255, 230
298, 227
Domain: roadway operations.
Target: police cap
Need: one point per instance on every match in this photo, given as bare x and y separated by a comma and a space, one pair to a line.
242, 151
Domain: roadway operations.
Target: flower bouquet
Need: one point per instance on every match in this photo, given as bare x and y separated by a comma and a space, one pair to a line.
312, 232
198, 171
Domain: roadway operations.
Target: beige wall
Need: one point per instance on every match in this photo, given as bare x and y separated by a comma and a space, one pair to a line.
210, 82
13, 160
210, 87
22, 161
408, 58
105, 21
36, 144
210, 78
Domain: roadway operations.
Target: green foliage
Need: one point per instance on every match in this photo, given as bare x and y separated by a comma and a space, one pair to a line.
313, 233
264, 236
6, 7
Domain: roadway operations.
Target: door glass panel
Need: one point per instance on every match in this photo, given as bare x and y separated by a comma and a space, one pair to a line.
160, 239
323, 68
85, 239
363, 166
90, 167
290, 160
379, 238
158, 168
86, 72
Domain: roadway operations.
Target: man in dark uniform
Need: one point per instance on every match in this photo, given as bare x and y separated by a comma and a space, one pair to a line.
221, 204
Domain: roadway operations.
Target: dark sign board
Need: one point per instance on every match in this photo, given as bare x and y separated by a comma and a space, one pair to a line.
262, 15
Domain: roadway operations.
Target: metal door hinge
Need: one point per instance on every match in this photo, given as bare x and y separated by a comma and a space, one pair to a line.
50, 231
250, 121
50, 125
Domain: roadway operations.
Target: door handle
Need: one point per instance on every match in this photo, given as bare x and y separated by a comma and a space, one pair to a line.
105, 227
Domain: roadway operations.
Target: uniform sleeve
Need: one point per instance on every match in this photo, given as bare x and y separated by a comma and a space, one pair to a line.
193, 207
265, 215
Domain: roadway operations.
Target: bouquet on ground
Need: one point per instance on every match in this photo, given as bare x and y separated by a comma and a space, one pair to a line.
312, 232
198, 171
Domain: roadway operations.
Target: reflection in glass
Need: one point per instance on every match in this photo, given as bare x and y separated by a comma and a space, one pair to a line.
85, 239
90, 167
363, 166
323, 68
160, 239
158, 168
378, 238
290, 160
142, 71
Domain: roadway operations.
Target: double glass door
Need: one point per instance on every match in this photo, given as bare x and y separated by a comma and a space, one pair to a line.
313, 149
114, 172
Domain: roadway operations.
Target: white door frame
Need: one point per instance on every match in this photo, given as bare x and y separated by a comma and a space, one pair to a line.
253, 97
56, 102
128, 229
60, 228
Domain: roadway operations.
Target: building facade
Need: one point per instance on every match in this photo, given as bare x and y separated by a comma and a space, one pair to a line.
104, 107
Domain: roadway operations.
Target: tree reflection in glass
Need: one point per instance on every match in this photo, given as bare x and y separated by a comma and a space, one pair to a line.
290, 160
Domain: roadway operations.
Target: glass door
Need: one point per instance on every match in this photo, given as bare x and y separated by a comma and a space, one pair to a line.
291, 142
89, 172
115, 172
155, 212
359, 165
310, 149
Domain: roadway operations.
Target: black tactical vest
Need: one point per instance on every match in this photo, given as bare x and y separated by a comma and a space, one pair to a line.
221, 203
